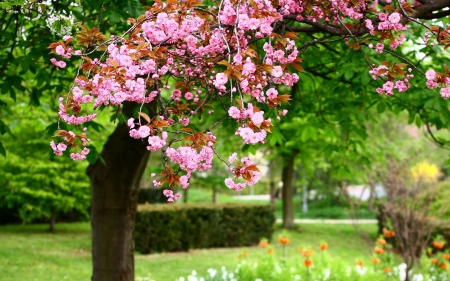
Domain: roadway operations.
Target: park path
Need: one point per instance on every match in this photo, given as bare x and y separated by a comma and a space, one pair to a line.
331, 221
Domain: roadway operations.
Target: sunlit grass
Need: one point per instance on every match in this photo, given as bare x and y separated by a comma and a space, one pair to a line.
31, 253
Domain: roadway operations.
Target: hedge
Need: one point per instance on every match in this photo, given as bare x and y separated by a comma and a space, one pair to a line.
180, 227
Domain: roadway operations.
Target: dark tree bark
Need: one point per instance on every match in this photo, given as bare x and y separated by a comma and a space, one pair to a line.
114, 189
288, 191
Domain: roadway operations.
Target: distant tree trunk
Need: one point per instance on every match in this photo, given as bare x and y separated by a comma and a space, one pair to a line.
272, 183
214, 195
371, 194
52, 223
288, 191
185, 195
114, 189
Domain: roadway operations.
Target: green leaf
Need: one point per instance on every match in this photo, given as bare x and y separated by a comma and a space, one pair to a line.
275, 138
348, 74
2, 149
365, 78
92, 155
418, 123
95, 126
381, 106
5, 5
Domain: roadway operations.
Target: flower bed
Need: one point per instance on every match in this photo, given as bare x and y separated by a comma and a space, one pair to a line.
315, 264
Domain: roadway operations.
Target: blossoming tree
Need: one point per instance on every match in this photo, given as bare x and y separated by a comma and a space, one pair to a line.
180, 56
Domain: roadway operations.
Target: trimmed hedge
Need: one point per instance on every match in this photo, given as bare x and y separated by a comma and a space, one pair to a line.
180, 227
151, 196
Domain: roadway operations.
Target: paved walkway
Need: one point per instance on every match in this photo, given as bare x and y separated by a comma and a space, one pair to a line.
329, 221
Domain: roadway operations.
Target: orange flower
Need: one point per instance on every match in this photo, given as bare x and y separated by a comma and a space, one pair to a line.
308, 253
283, 240
434, 261
376, 261
264, 244
244, 254
323, 246
381, 241
270, 251
388, 233
378, 250
443, 266
359, 263
387, 269
438, 244
308, 263
301, 250
447, 256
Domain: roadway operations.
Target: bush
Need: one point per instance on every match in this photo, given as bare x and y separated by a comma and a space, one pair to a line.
180, 227
151, 196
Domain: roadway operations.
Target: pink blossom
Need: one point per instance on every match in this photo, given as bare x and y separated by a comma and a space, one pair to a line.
62, 147
60, 50
379, 48
168, 193
395, 17
144, 131
430, 74
221, 79
258, 118
277, 71
188, 96
445, 93
272, 93
234, 112
130, 123
232, 157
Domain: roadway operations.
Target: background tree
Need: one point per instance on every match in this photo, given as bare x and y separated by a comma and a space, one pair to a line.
325, 21
36, 183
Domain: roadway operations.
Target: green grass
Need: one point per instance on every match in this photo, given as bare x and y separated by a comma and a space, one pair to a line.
320, 209
31, 253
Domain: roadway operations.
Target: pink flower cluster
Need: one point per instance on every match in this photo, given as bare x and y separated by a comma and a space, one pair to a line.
61, 64
170, 195
58, 149
434, 78
73, 119
400, 85
256, 117
246, 162
81, 155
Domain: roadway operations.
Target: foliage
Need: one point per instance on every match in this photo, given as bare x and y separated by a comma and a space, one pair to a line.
142, 64
180, 227
36, 184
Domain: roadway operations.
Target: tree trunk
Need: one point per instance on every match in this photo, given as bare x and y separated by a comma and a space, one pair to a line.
185, 196
214, 195
272, 183
114, 189
288, 192
52, 223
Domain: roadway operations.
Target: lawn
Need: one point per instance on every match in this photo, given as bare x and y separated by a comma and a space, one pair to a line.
318, 209
30, 253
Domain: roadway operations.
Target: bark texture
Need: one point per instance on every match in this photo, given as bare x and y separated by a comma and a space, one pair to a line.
114, 189
288, 191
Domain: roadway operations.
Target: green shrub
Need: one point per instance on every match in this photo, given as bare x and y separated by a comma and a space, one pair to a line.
180, 227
